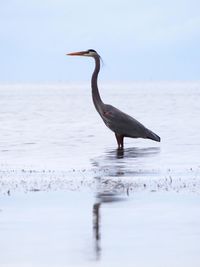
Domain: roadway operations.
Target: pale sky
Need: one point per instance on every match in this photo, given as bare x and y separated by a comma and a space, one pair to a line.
138, 40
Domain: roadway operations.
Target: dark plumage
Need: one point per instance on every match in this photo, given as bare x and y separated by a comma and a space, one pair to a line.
117, 121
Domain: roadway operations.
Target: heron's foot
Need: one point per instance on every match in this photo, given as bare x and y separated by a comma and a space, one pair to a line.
120, 153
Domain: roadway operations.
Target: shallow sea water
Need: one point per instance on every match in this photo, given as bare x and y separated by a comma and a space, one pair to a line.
70, 198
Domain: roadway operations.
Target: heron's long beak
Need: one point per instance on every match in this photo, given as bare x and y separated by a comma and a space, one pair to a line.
76, 53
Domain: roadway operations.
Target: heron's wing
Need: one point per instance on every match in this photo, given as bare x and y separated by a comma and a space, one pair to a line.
122, 123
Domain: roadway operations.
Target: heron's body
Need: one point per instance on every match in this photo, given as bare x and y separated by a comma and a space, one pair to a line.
117, 121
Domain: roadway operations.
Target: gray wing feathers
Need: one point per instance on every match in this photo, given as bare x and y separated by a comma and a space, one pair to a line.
122, 123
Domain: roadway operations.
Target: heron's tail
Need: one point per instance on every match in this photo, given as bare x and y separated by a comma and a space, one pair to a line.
151, 135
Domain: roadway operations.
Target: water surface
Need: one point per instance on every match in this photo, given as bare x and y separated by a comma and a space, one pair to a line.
78, 229
56, 128
70, 198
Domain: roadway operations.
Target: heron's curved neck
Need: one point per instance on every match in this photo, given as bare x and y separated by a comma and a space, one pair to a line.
95, 92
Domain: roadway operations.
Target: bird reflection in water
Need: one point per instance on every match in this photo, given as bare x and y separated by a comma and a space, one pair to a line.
132, 152
128, 162
101, 199
96, 230
119, 153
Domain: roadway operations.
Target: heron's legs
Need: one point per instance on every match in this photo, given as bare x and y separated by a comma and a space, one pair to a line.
120, 140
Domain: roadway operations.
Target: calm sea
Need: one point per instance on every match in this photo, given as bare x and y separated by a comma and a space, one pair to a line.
57, 127
105, 211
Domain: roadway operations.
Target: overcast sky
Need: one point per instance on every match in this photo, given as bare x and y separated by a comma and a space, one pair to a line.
138, 39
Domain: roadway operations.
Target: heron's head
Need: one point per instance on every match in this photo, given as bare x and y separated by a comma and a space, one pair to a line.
87, 53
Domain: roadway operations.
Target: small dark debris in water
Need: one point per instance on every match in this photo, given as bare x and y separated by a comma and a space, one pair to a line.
120, 173
35, 190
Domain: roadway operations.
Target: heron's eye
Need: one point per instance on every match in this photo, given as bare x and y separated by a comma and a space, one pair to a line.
91, 50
